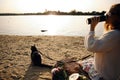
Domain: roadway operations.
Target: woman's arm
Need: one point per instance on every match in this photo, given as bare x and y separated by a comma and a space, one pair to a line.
102, 44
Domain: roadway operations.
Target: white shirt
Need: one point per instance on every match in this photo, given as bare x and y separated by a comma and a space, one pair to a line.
107, 53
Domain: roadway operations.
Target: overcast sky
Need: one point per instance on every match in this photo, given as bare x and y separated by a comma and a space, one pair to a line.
62, 5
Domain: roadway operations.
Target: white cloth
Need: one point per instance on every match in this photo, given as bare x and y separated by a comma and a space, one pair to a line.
107, 53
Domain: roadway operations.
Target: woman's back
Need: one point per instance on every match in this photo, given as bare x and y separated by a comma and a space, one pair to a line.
107, 60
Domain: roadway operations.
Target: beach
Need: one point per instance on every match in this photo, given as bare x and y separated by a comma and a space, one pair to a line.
15, 61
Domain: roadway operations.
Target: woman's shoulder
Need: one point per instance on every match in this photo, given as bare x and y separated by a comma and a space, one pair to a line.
113, 33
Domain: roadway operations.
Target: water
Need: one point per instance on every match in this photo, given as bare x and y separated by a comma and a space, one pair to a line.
54, 25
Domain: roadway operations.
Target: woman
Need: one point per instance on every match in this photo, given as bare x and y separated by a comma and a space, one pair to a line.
106, 47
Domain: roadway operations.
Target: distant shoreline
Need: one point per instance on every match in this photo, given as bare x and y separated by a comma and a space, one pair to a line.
41, 14
39, 35
55, 13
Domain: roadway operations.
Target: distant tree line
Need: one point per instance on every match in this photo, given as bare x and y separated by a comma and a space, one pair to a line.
73, 12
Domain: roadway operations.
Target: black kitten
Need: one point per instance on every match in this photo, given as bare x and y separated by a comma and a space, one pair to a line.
36, 58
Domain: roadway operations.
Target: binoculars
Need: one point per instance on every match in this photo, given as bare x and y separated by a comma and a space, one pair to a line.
102, 18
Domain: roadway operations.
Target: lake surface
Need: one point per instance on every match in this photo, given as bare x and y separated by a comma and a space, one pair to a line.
46, 25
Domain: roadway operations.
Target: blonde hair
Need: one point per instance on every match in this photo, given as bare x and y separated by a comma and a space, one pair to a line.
113, 21
115, 12
115, 9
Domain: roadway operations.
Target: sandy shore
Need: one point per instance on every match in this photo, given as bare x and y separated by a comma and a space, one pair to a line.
15, 62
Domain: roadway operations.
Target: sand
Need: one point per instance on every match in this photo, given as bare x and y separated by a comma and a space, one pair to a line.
15, 62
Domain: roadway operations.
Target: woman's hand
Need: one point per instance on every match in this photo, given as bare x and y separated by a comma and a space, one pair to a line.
94, 22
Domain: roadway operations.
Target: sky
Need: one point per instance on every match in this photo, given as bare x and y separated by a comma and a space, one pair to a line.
18, 6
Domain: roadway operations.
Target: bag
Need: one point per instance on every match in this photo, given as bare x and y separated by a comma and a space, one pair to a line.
64, 68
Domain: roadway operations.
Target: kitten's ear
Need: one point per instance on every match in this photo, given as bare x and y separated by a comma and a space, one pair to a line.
31, 47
